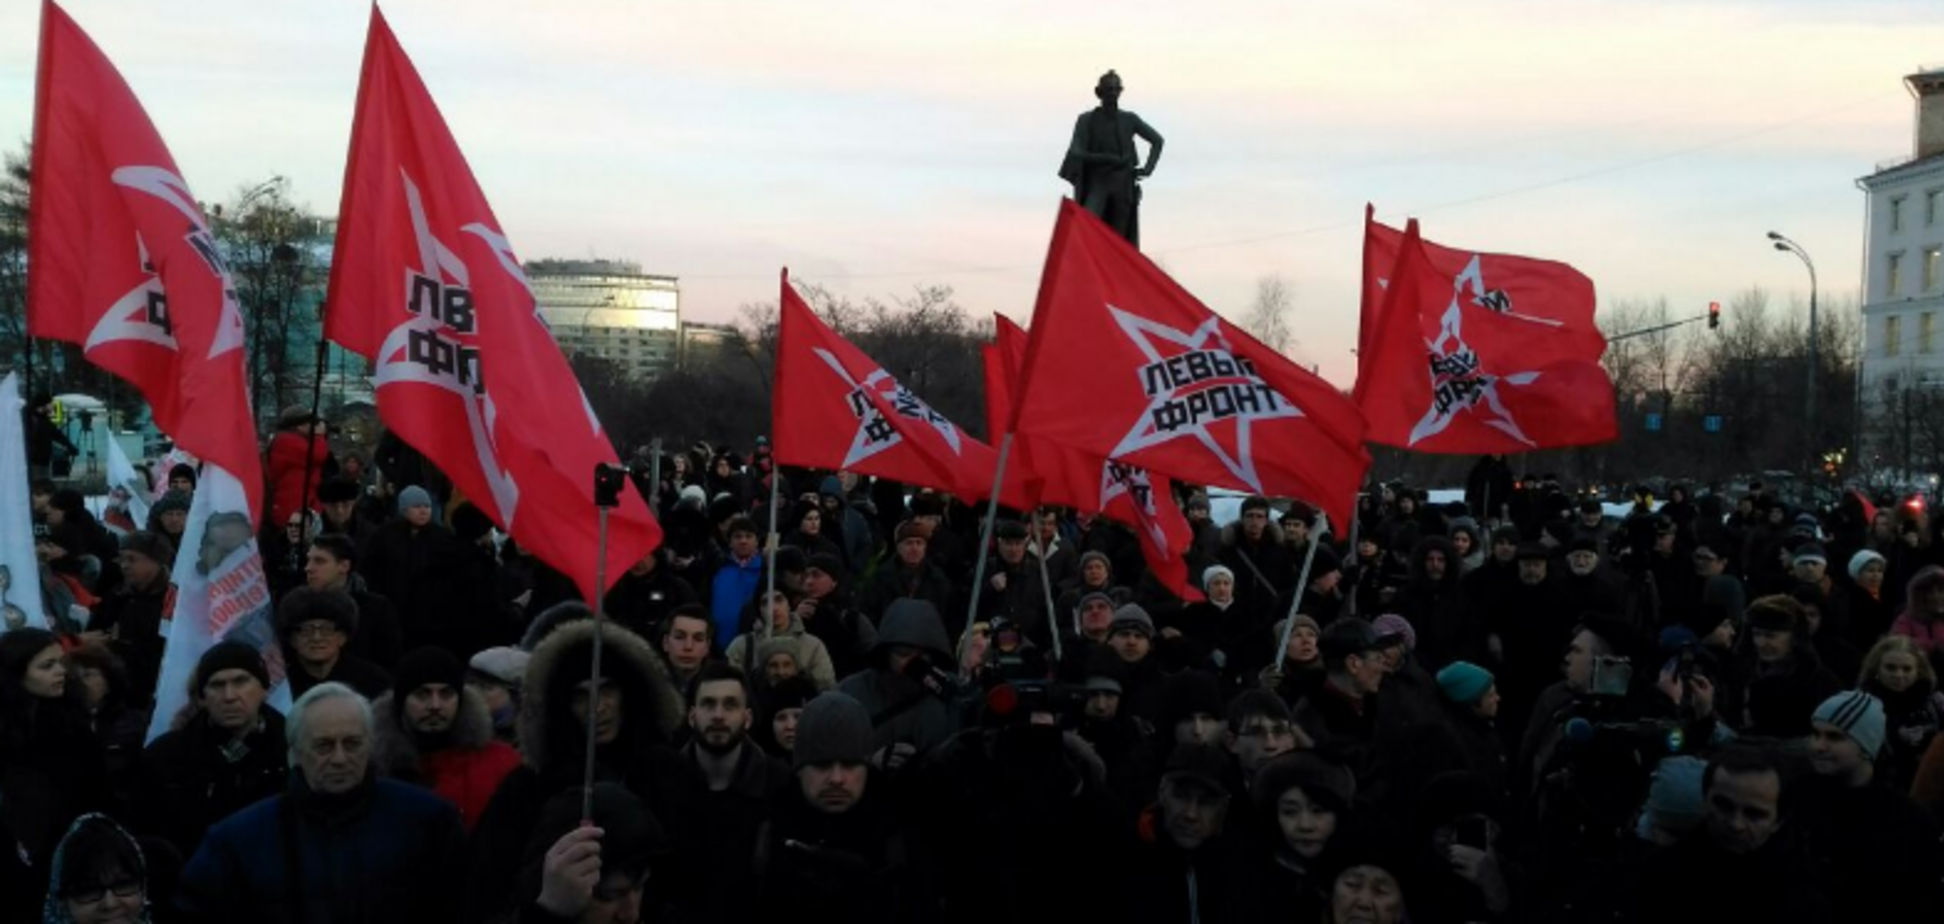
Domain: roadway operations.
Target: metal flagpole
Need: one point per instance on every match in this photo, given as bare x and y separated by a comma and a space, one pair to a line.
1356, 524
607, 493
763, 619
985, 537
1302, 584
1046, 585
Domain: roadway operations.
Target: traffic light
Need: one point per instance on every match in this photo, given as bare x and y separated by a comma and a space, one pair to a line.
1714, 315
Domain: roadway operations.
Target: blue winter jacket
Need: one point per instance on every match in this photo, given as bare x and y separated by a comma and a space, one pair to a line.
734, 585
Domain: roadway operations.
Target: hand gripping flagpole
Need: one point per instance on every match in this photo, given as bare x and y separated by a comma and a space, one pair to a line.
608, 483
1302, 584
985, 537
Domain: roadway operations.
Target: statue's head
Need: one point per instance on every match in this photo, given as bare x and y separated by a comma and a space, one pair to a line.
1108, 90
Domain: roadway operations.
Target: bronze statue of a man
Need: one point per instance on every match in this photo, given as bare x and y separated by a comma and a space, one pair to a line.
1103, 165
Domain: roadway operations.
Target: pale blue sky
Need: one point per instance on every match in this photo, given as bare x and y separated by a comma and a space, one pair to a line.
875, 145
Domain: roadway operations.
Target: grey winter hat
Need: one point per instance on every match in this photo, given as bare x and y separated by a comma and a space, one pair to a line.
413, 496
833, 728
1131, 616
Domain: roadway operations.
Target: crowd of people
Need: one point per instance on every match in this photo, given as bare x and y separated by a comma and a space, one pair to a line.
1512, 708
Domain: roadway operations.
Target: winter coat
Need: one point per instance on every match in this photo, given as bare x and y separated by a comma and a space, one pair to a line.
854, 867
844, 631
1350, 732
1911, 720
466, 771
813, 659
1264, 573
1029, 809
1866, 616
1875, 854
186, 784
352, 671
733, 584
1458, 741
855, 529
902, 709
133, 621
1441, 613
378, 640
411, 569
551, 750
385, 852
1163, 884
893, 581
50, 774
1696, 882
285, 465
1753, 697
712, 867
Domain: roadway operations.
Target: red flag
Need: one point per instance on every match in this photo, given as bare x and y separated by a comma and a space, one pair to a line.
122, 261
834, 408
1123, 363
424, 283
1449, 371
1551, 303
1127, 494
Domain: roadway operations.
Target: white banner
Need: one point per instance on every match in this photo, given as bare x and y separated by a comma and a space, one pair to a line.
20, 590
221, 595
128, 491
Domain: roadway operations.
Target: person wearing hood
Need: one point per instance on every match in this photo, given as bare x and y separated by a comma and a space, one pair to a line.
435, 731
907, 714
340, 844
908, 573
615, 865
104, 875
850, 528
646, 593
812, 660
225, 751
635, 714
1922, 619
1438, 608
1253, 550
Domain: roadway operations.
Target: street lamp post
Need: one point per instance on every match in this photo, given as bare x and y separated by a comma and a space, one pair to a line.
1783, 243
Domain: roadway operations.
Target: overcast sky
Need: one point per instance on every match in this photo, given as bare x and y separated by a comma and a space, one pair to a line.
873, 146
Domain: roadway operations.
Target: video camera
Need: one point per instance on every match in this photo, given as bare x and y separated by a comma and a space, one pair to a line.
1019, 684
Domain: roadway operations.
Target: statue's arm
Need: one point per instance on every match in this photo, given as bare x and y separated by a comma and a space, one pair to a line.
1078, 148
1146, 133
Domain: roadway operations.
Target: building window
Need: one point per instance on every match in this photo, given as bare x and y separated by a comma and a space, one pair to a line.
1926, 332
1932, 255
1893, 268
1896, 214
1933, 198
1892, 336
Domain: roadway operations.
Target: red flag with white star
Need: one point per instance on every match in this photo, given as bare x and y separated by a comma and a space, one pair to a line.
1443, 371
1123, 363
122, 261
835, 408
1132, 496
1548, 305
425, 284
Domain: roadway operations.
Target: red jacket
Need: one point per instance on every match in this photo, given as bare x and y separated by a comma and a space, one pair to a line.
466, 772
285, 465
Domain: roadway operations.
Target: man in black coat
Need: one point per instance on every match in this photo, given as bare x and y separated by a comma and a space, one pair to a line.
132, 616
330, 565
228, 752
1265, 575
316, 625
730, 787
1878, 853
646, 594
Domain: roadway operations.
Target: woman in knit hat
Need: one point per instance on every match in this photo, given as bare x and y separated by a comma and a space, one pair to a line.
1866, 609
782, 707
1096, 575
1203, 634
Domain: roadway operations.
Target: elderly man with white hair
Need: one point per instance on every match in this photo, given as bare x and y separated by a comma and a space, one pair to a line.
340, 844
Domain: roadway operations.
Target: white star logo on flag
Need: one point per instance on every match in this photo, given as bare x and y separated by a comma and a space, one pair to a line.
1458, 379
171, 190
1191, 390
876, 433
142, 315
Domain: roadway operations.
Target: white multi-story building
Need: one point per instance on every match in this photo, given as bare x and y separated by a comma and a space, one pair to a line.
611, 310
1903, 274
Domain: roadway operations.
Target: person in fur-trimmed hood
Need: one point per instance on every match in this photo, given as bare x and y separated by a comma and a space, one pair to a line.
434, 731
635, 714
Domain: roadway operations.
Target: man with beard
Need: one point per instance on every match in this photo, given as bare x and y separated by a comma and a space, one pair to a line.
730, 786
435, 731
